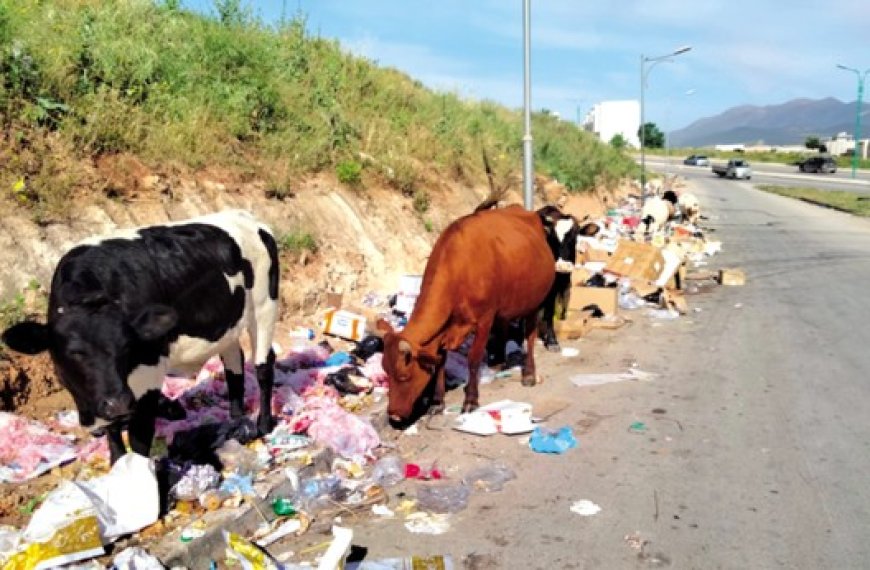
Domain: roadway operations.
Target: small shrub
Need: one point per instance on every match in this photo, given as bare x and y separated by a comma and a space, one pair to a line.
349, 172
297, 242
428, 225
12, 311
421, 201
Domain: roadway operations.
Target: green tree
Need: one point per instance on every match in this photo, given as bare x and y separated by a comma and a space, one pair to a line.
652, 137
618, 141
813, 142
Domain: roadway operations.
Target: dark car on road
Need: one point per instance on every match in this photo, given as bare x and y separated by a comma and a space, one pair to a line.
818, 164
697, 160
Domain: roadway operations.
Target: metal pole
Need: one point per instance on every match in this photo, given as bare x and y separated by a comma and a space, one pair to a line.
858, 123
528, 169
642, 135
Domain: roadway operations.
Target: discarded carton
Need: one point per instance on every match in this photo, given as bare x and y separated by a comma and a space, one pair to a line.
604, 297
675, 300
409, 290
580, 275
732, 277
636, 261
576, 325
345, 324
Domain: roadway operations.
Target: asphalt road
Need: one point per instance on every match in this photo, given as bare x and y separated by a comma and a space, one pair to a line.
755, 445
770, 173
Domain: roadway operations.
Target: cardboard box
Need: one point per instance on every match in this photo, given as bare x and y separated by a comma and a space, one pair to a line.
344, 324
605, 297
732, 277
636, 261
576, 325
409, 290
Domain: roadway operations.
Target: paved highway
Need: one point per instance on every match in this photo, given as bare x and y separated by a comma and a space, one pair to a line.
750, 449
770, 173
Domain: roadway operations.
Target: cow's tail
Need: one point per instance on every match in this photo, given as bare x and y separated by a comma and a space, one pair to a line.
495, 193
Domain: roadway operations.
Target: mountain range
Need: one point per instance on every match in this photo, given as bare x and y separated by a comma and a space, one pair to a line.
788, 123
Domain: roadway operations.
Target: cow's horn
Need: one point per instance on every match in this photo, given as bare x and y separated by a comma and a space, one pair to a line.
404, 346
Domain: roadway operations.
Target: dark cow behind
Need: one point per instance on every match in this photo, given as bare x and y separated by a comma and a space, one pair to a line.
562, 231
485, 270
126, 309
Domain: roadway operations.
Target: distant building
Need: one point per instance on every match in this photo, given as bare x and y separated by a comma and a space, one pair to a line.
843, 144
730, 147
610, 118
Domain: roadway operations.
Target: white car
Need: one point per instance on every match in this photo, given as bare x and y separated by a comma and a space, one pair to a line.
697, 160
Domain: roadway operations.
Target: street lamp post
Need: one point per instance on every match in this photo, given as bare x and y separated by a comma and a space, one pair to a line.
528, 168
861, 78
668, 128
644, 72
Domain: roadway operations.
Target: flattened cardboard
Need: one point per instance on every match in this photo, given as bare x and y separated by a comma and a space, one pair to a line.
605, 297
636, 260
576, 325
732, 277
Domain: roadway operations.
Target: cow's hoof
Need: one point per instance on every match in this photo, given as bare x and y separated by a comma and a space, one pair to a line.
529, 380
468, 407
553, 347
266, 425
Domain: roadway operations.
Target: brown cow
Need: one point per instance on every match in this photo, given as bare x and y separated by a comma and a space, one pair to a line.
486, 268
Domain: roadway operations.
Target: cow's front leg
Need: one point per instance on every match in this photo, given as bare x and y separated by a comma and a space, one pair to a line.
529, 374
436, 408
549, 314
117, 449
141, 427
234, 373
266, 381
475, 357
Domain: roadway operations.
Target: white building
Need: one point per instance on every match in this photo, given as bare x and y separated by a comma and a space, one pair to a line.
610, 118
842, 144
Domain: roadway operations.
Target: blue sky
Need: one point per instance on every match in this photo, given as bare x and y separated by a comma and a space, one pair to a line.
583, 52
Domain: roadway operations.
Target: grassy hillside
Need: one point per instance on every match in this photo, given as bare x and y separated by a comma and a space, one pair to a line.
84, 78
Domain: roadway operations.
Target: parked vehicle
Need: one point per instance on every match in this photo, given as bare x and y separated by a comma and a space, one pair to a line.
818, 164
697, 160
735, 168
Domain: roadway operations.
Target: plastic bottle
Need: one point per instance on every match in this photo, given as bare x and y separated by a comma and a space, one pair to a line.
388, 471
303, 333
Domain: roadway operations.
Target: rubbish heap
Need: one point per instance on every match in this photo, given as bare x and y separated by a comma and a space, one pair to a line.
208, 463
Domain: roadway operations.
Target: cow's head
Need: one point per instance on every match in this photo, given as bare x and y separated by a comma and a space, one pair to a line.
410, 369
101, 355
562, 231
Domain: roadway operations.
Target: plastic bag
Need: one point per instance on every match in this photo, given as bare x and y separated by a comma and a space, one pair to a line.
548, 441
389, 471
489, 478
445, 498
197, 479
237, 458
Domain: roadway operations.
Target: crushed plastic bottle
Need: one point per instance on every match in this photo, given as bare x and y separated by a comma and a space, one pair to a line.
388, 471
443, 498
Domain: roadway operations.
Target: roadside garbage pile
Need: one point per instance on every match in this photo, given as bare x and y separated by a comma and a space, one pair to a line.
324, 459
640, 257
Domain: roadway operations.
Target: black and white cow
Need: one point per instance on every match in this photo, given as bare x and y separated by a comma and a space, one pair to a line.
126, 309
562, 231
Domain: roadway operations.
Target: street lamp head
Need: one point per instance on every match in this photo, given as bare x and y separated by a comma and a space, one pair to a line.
683, 49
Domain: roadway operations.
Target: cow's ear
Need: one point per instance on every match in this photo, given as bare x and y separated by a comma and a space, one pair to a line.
27, 337
154, 321
384, 326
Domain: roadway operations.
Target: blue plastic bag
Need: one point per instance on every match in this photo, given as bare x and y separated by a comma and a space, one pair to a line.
545, 440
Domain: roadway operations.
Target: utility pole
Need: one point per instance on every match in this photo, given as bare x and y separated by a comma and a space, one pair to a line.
861, 78
528, 168
644, 72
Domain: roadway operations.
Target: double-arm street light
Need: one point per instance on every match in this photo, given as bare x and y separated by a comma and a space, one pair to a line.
644, 72
861, 78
